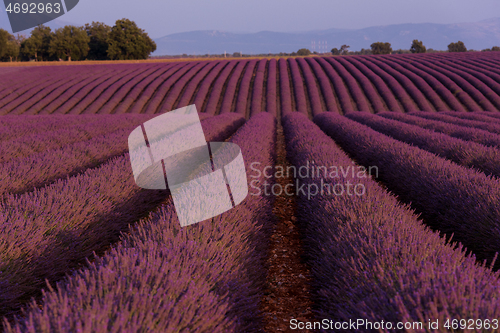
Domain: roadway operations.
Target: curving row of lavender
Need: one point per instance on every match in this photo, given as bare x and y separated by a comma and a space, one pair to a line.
450, 198
490, 127
207, 277
461, 132
370, 256
466, 153
47, 231
398, 83
31, 143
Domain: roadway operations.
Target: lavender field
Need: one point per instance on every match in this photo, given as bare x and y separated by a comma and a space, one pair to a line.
84, 249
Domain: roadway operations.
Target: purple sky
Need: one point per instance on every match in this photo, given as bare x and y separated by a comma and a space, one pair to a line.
160, 17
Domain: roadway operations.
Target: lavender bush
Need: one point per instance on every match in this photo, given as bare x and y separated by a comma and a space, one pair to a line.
466, 153
174, 93
363, 72
438, 189
312, 87
206, 277
465, 133
271, 94
217, 90
285, 92
162, 91
370, 256
242, 100
490, 127
258, 86
298, 87
49, 230
341, 91
232, 85
325, 85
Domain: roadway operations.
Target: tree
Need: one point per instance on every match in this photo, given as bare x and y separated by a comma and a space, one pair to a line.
98, 33
344, 49
303, 52
70, 43
335, 51
495, 48
381, 48
11, 49
457, 47
417, 46
37, 45
4, 39
127, 41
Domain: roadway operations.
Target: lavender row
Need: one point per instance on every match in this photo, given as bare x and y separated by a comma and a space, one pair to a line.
217, 94
45, 95
466, 153
25, 173
78, 95
271, 90
477, 90
493, 128
112, 96
403, 88
20, 126
325, 86
438, 189
82, 102
490, 114
465, 133
51, 228
58, 97
383, 89
367, 86
341, 91
139, 103
312, 87
442, 82
258, 88
178, 87
206, 277
38, 142
154, 102
485, 79
139, 88
22, 92
206, 84
440, 97
232, 85
242, 102
191, 88
422, 92
485, 116
370, 257
353, 86
298, 87
285, 91
20, 96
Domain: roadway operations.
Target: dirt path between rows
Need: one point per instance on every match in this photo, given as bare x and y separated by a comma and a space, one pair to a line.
287, 293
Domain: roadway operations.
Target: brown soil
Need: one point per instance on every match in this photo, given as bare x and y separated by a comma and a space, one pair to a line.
287, 293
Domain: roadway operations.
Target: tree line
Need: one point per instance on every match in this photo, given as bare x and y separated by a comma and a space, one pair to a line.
96, 41
417, 46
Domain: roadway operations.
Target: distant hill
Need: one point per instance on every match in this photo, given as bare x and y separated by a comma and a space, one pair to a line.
477, 36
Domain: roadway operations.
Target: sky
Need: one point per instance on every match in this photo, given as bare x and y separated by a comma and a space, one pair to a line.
159, 17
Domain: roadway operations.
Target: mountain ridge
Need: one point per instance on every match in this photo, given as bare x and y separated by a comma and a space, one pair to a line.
476, 35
